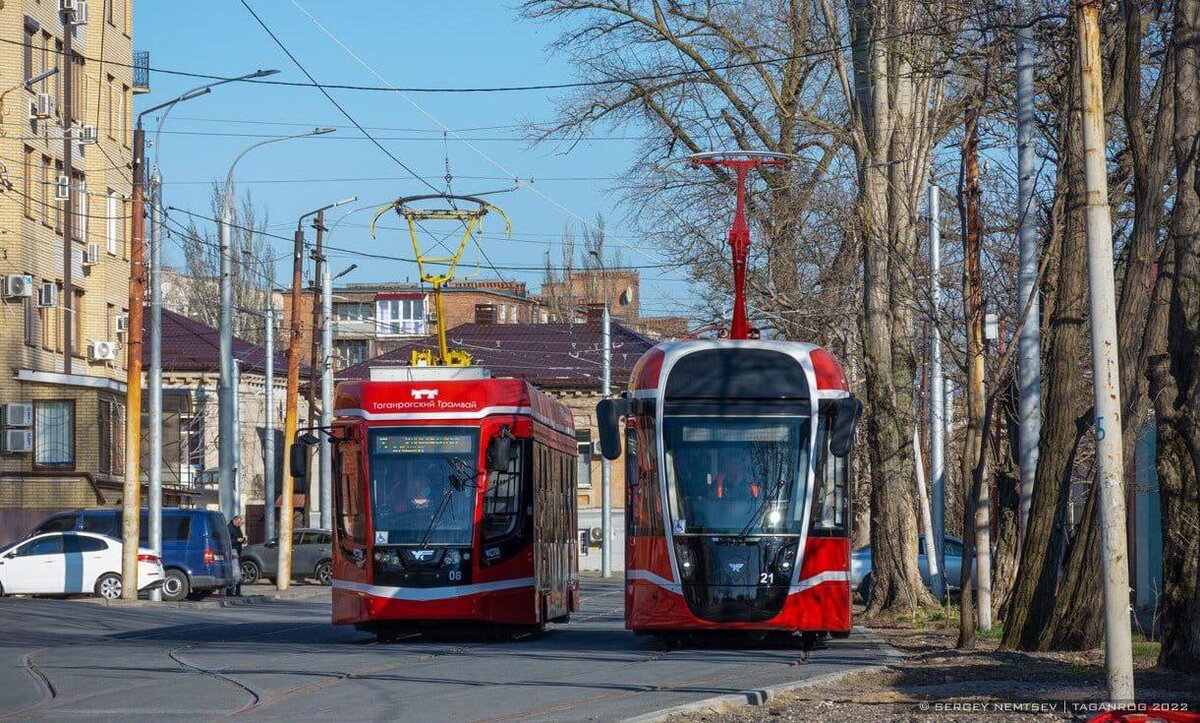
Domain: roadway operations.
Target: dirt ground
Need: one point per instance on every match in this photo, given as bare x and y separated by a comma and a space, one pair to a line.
936, 682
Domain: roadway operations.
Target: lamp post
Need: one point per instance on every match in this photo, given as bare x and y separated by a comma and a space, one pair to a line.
130, 500
226, 394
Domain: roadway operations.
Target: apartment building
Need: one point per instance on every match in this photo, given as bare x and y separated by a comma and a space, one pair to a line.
62, 398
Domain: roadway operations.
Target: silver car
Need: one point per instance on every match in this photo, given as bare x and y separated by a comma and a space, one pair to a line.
311, 557
952, 550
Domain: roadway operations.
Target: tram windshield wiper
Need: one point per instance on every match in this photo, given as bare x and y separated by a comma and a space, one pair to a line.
768, 500
458, 479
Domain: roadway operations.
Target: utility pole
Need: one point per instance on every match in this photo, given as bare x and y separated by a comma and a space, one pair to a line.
325, 451
155, 381
68, 227
973, 297
237, 439
226, 394
605, 467
1029, 379
284, 578
937, 385
1106, 384
132, 487
316, 497
269, 424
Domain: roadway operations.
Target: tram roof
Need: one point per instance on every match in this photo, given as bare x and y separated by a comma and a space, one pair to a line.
647, 374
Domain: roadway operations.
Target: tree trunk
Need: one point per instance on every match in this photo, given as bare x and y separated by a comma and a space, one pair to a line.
1008, 493
1032, 599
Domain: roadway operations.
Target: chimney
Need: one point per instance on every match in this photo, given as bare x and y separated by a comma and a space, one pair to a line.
595, 313
485, 314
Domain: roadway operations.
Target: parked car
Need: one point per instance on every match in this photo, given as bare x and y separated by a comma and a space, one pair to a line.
73, 563
952, 549
196, 550
311, 557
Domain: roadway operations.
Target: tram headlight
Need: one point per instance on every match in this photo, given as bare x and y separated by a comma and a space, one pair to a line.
785, 558
387, 557
452, 558
683, 556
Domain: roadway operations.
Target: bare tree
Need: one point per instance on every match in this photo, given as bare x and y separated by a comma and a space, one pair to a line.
253, 267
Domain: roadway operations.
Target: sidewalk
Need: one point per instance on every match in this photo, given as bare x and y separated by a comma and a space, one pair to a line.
251, 595
936, 682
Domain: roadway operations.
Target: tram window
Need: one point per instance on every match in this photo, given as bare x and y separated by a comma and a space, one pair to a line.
502, 500
351, 519
647, 505
830, 498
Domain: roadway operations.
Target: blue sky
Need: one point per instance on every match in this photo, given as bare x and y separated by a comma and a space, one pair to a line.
468, 43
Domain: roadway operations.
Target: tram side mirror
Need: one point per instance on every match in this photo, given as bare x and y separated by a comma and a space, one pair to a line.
845, 420
608, 418
300, 456
499, 452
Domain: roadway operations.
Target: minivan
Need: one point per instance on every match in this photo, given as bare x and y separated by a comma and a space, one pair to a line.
197, 555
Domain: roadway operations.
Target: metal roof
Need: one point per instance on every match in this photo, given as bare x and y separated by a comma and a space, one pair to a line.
193, 346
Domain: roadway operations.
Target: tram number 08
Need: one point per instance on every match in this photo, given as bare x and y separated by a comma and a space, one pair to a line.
766, 578
454, 576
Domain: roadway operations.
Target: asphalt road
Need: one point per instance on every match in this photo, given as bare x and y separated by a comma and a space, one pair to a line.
77, 659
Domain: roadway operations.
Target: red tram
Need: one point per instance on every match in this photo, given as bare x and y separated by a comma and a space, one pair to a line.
454, 501
737, 482
737, 487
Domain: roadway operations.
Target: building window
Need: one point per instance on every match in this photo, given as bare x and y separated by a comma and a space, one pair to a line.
58, 205
350, 351
400, 317
79, 324
583, 439
112, 211
27, 183
33, 323
54, 434
123, 106
44, 195
109, 102
31, 29
112, 438
110, 13
352, 311
79, 205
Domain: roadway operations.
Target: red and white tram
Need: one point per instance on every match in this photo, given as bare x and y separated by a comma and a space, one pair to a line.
737, 481
737, 487
454, 502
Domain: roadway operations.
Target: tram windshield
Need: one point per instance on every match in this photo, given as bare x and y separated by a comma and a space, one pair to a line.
736, 475
423, 484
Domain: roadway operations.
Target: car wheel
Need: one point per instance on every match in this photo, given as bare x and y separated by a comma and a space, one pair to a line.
251, 572
865, 588
108, 586
175, 585
324, 572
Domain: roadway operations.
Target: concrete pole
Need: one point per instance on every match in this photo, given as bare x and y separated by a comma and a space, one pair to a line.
937, 403
1106, 380
237, 439
226, 394
68, 225
326, 458
269, 424
155, 375
931, 560
605, 470
1029, 380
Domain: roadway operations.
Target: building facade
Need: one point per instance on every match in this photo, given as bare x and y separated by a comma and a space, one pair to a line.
63, 396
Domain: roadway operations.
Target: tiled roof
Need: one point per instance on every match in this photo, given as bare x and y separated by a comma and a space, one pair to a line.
192, 346
552, 356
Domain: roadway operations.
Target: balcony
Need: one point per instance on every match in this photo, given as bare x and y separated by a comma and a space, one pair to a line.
141, 72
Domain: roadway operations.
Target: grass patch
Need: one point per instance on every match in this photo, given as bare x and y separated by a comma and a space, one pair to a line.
1146, 648
995, 633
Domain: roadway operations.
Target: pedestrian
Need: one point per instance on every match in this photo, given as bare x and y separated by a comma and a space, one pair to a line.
237, 539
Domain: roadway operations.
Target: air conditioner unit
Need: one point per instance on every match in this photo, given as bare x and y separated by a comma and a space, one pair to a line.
87, 135
122, 324
62, 189
44, 107
81, 12
102, 351
16, 441
18, 415
91, 256
18, 286
48, 295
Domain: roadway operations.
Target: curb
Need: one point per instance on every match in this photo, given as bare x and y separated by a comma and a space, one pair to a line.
211, 604
760, 696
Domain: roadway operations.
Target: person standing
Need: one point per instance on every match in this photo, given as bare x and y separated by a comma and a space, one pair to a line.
237, 540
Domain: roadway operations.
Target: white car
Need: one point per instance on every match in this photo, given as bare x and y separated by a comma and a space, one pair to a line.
72, 563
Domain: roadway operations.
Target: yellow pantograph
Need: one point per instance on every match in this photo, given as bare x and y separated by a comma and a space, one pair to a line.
471, 219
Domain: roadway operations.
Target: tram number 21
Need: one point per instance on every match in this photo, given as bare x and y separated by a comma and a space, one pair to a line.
766, 578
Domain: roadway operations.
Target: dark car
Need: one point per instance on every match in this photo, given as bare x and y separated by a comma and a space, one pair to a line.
311, 553
197, 553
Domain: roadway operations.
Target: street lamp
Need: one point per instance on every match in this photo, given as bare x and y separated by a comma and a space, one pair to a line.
226, 398
133, 356
606, 384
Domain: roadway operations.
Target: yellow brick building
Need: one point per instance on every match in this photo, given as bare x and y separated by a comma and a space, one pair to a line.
72, 418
